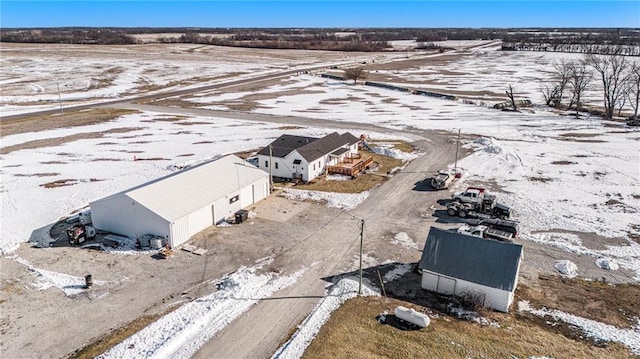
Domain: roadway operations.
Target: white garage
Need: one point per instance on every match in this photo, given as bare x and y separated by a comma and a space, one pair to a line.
182, 204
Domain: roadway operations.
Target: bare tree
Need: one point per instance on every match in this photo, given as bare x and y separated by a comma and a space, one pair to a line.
510, 95
633, 93
551, 95
579, 81
355, 73
612, 72
562, 73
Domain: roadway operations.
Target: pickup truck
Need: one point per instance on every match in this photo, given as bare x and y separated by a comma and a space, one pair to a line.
474, 195
486, 233
505, 225
443, 180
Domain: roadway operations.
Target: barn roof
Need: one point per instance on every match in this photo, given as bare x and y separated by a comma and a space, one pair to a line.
308, 147
490, 263
181, 193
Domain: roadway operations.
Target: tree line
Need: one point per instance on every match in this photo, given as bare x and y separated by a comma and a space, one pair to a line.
619, 76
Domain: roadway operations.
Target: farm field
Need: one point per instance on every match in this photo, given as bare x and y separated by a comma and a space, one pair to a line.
571, 182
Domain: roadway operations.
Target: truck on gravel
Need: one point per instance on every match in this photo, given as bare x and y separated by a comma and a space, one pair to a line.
486, 233
443, 180
476, 202
505, 225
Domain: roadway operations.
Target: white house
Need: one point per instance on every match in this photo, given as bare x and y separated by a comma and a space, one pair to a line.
306, 158
182, 204
455, 264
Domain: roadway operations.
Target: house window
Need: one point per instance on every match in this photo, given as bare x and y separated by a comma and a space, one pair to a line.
276, 165
314, 166
297, 162
234, 199
266, 163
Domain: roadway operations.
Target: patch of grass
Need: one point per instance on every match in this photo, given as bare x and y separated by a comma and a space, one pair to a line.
67, 119
399, 145
616, 305
114, 338
353, 332
540, 179
44, 174
363, 182
59, 183
579, 134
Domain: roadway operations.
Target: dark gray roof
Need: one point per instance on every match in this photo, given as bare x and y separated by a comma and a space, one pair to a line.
339, 151
347, 137
309, 148
490, 263
325, 145
284, 144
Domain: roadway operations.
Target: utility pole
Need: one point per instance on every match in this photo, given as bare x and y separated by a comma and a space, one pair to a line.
361, 240
455, 166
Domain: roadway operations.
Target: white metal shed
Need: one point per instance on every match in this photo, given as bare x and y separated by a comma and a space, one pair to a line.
184, 203
458, 264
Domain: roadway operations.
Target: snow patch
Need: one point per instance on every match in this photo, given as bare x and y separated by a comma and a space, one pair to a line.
396, 153
338, 293
593, 329
182, 332
403, 239
566, 267
70, 285
607, 263
344, 201
397, 272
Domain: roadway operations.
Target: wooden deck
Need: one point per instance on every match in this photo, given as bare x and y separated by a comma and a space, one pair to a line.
351, 166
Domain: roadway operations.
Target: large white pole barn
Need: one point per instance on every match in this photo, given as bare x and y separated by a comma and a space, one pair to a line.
182, 204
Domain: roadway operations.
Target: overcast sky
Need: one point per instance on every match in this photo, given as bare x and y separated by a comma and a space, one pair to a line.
303, 13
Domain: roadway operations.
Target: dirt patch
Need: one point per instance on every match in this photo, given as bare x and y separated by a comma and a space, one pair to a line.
187, 155
56, 141
540, 179
46, 174
193, 123
66, 182
152, 159
617, 305
579, 135
286, 128
202, 142
67, 119
563, 163
581, 140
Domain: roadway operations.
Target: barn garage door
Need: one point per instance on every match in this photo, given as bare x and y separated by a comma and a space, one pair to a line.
446, 285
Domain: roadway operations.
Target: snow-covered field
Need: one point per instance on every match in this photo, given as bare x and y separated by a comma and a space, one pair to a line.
562, 176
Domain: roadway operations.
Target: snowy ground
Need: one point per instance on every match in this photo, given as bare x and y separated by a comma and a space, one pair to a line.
564, 176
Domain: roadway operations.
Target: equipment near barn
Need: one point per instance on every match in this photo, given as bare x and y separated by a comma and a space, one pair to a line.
79, 233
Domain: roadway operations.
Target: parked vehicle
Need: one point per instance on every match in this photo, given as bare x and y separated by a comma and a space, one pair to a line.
443, 180
486, 233
506, 225
473, 195
484, 210
79, 233
476, 202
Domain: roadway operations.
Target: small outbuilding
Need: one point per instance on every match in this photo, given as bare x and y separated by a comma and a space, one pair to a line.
178, 206
457, 264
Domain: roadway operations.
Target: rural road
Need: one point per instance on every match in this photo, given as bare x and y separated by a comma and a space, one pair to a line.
391, 208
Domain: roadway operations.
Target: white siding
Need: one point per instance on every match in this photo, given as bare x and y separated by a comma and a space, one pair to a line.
123, 215
497, 299
179, 232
